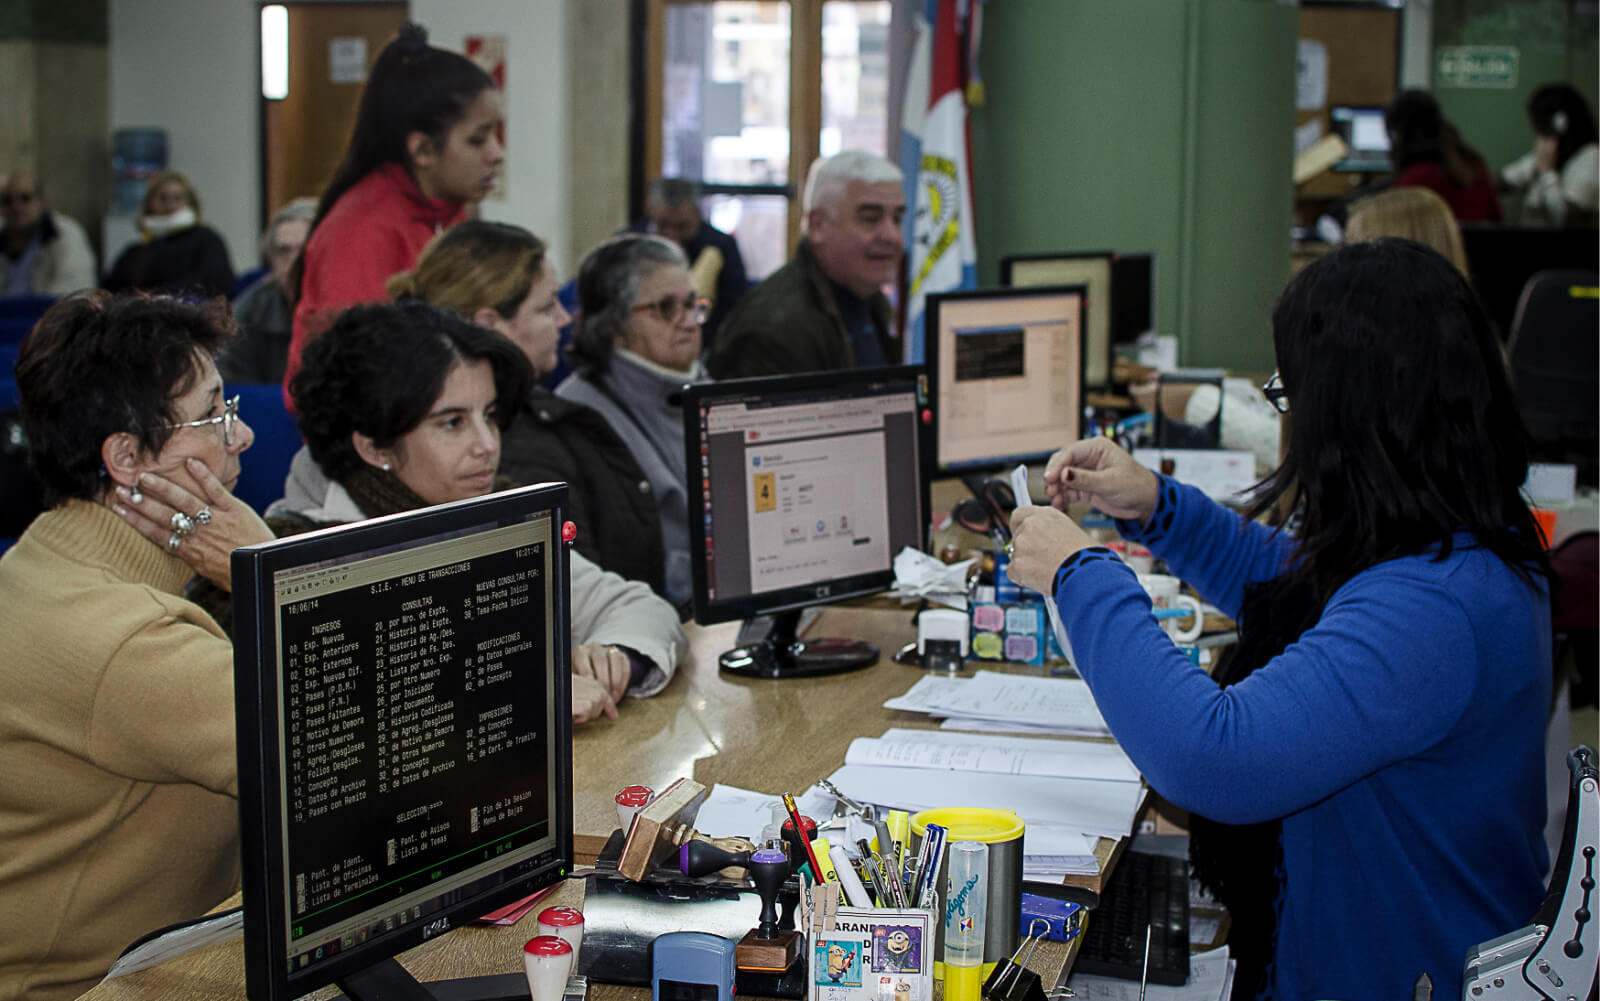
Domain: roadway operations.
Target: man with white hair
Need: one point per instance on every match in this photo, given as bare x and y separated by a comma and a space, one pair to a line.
825, 309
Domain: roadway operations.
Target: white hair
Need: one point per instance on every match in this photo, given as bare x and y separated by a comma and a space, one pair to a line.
830, 175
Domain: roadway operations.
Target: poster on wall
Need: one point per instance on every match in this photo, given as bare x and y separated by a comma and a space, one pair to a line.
1477, 67
489, 52
1311, 76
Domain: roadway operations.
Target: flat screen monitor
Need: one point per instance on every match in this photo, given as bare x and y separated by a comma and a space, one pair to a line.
1005, 375
1133, 296
1366, 138
1091, 269
802, 489
404, 735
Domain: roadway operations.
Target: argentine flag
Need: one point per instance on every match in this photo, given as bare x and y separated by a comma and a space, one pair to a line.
935, 156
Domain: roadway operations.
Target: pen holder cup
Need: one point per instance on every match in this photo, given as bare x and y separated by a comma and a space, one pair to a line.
1002, 831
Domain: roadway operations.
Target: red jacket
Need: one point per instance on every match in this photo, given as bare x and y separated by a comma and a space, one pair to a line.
1476, 202
375, 229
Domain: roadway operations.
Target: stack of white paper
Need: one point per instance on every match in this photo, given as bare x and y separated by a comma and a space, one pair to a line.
1003, 701
1210, 979
1067, 792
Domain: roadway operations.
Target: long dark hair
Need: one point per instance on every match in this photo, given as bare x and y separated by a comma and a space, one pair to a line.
1557, 109
413, 87
1420, 133
1405, 428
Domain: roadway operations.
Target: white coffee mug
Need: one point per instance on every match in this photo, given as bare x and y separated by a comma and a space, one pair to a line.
1164, 594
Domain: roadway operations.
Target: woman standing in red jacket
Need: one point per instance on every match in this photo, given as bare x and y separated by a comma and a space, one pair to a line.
426, 143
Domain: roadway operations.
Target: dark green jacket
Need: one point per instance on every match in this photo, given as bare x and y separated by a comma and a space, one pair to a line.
612, 504
790, 323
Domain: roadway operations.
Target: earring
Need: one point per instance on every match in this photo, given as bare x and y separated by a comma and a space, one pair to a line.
134, 496
386, 467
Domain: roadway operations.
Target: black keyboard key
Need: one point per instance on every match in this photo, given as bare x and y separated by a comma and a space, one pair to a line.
1144, 890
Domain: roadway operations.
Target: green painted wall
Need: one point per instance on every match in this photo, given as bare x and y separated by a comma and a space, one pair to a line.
1553, 43
1146, 125
82, 21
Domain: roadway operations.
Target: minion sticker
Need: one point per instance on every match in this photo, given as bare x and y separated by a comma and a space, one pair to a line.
896, 949
837, 963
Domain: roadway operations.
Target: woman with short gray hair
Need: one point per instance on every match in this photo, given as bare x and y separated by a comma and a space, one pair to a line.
635, 344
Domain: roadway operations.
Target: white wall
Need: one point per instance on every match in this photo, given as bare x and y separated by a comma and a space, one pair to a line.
191, 67
536, 106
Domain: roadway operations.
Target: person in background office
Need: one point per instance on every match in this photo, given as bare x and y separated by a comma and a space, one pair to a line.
1426, 151
1411, 213
402, 406
1560, 177
826, 309
672, 210
501, 277
635, 343
1375, 745
177, 253
425, 146
119, 812
261, 350
41, 252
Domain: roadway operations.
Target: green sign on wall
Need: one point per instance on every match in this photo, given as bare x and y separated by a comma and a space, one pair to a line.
1483, 67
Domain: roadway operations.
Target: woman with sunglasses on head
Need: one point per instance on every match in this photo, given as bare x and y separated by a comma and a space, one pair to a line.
425, 145
501, 277
402, 406
119, 809
635, 344
1366, 772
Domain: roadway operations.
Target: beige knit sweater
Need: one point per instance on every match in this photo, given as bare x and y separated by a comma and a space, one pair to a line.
118, 792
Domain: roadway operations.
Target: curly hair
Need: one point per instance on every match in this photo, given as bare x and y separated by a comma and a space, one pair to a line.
97, 364
380, 368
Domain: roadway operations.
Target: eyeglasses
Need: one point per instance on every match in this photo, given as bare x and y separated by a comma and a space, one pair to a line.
1275, 393
671, 308
16, 198
229, 418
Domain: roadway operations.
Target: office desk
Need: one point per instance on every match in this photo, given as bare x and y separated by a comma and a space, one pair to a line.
766, 735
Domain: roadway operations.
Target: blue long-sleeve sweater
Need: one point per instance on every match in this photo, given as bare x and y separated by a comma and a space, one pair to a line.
1400, 740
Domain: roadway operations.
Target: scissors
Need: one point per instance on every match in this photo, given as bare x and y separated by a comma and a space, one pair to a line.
988, 511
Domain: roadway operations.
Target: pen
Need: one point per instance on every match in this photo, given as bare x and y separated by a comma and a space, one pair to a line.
929, 890
1144, 977
870, 864
800, 834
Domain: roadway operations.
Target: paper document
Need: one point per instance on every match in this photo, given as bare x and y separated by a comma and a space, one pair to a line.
1091, 806
1064, 704
171, 944
731, 812
1009, 755
1019, 488
1210, 976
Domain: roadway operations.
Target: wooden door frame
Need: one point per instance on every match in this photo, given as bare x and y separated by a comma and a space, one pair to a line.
805, 94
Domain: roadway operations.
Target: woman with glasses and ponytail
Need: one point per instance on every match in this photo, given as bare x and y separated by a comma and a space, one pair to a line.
425, 146
635, 344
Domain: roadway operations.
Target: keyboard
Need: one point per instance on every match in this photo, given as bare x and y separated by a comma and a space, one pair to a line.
1144, 890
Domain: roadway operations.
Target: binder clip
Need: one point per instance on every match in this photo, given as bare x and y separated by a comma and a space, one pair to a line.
1013, 981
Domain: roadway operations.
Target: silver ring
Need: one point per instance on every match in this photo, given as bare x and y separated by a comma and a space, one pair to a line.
203, 516
173, 542
182, 523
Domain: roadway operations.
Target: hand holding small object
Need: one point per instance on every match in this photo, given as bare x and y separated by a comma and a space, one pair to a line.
1096, 470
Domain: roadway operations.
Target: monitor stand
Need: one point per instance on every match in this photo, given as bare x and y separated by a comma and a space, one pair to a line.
387, 980
782, 654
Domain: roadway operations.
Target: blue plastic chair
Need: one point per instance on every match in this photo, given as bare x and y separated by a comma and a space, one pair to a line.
245, 279
265, 466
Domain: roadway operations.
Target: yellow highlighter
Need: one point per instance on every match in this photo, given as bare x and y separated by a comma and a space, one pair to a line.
899, 822
828, 873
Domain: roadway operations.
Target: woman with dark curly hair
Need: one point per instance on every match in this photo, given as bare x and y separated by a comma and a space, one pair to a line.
1379, 729
119, 811
402, 406
1428, 152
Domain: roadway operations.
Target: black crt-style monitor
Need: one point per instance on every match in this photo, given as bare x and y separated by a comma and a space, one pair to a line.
1005, 375
404, 736
1089, 268
802, 489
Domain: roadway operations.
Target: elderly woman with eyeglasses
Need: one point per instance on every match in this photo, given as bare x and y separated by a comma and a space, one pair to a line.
635, 344
119, 811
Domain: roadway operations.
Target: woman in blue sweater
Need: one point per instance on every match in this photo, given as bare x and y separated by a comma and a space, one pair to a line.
1366, 771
